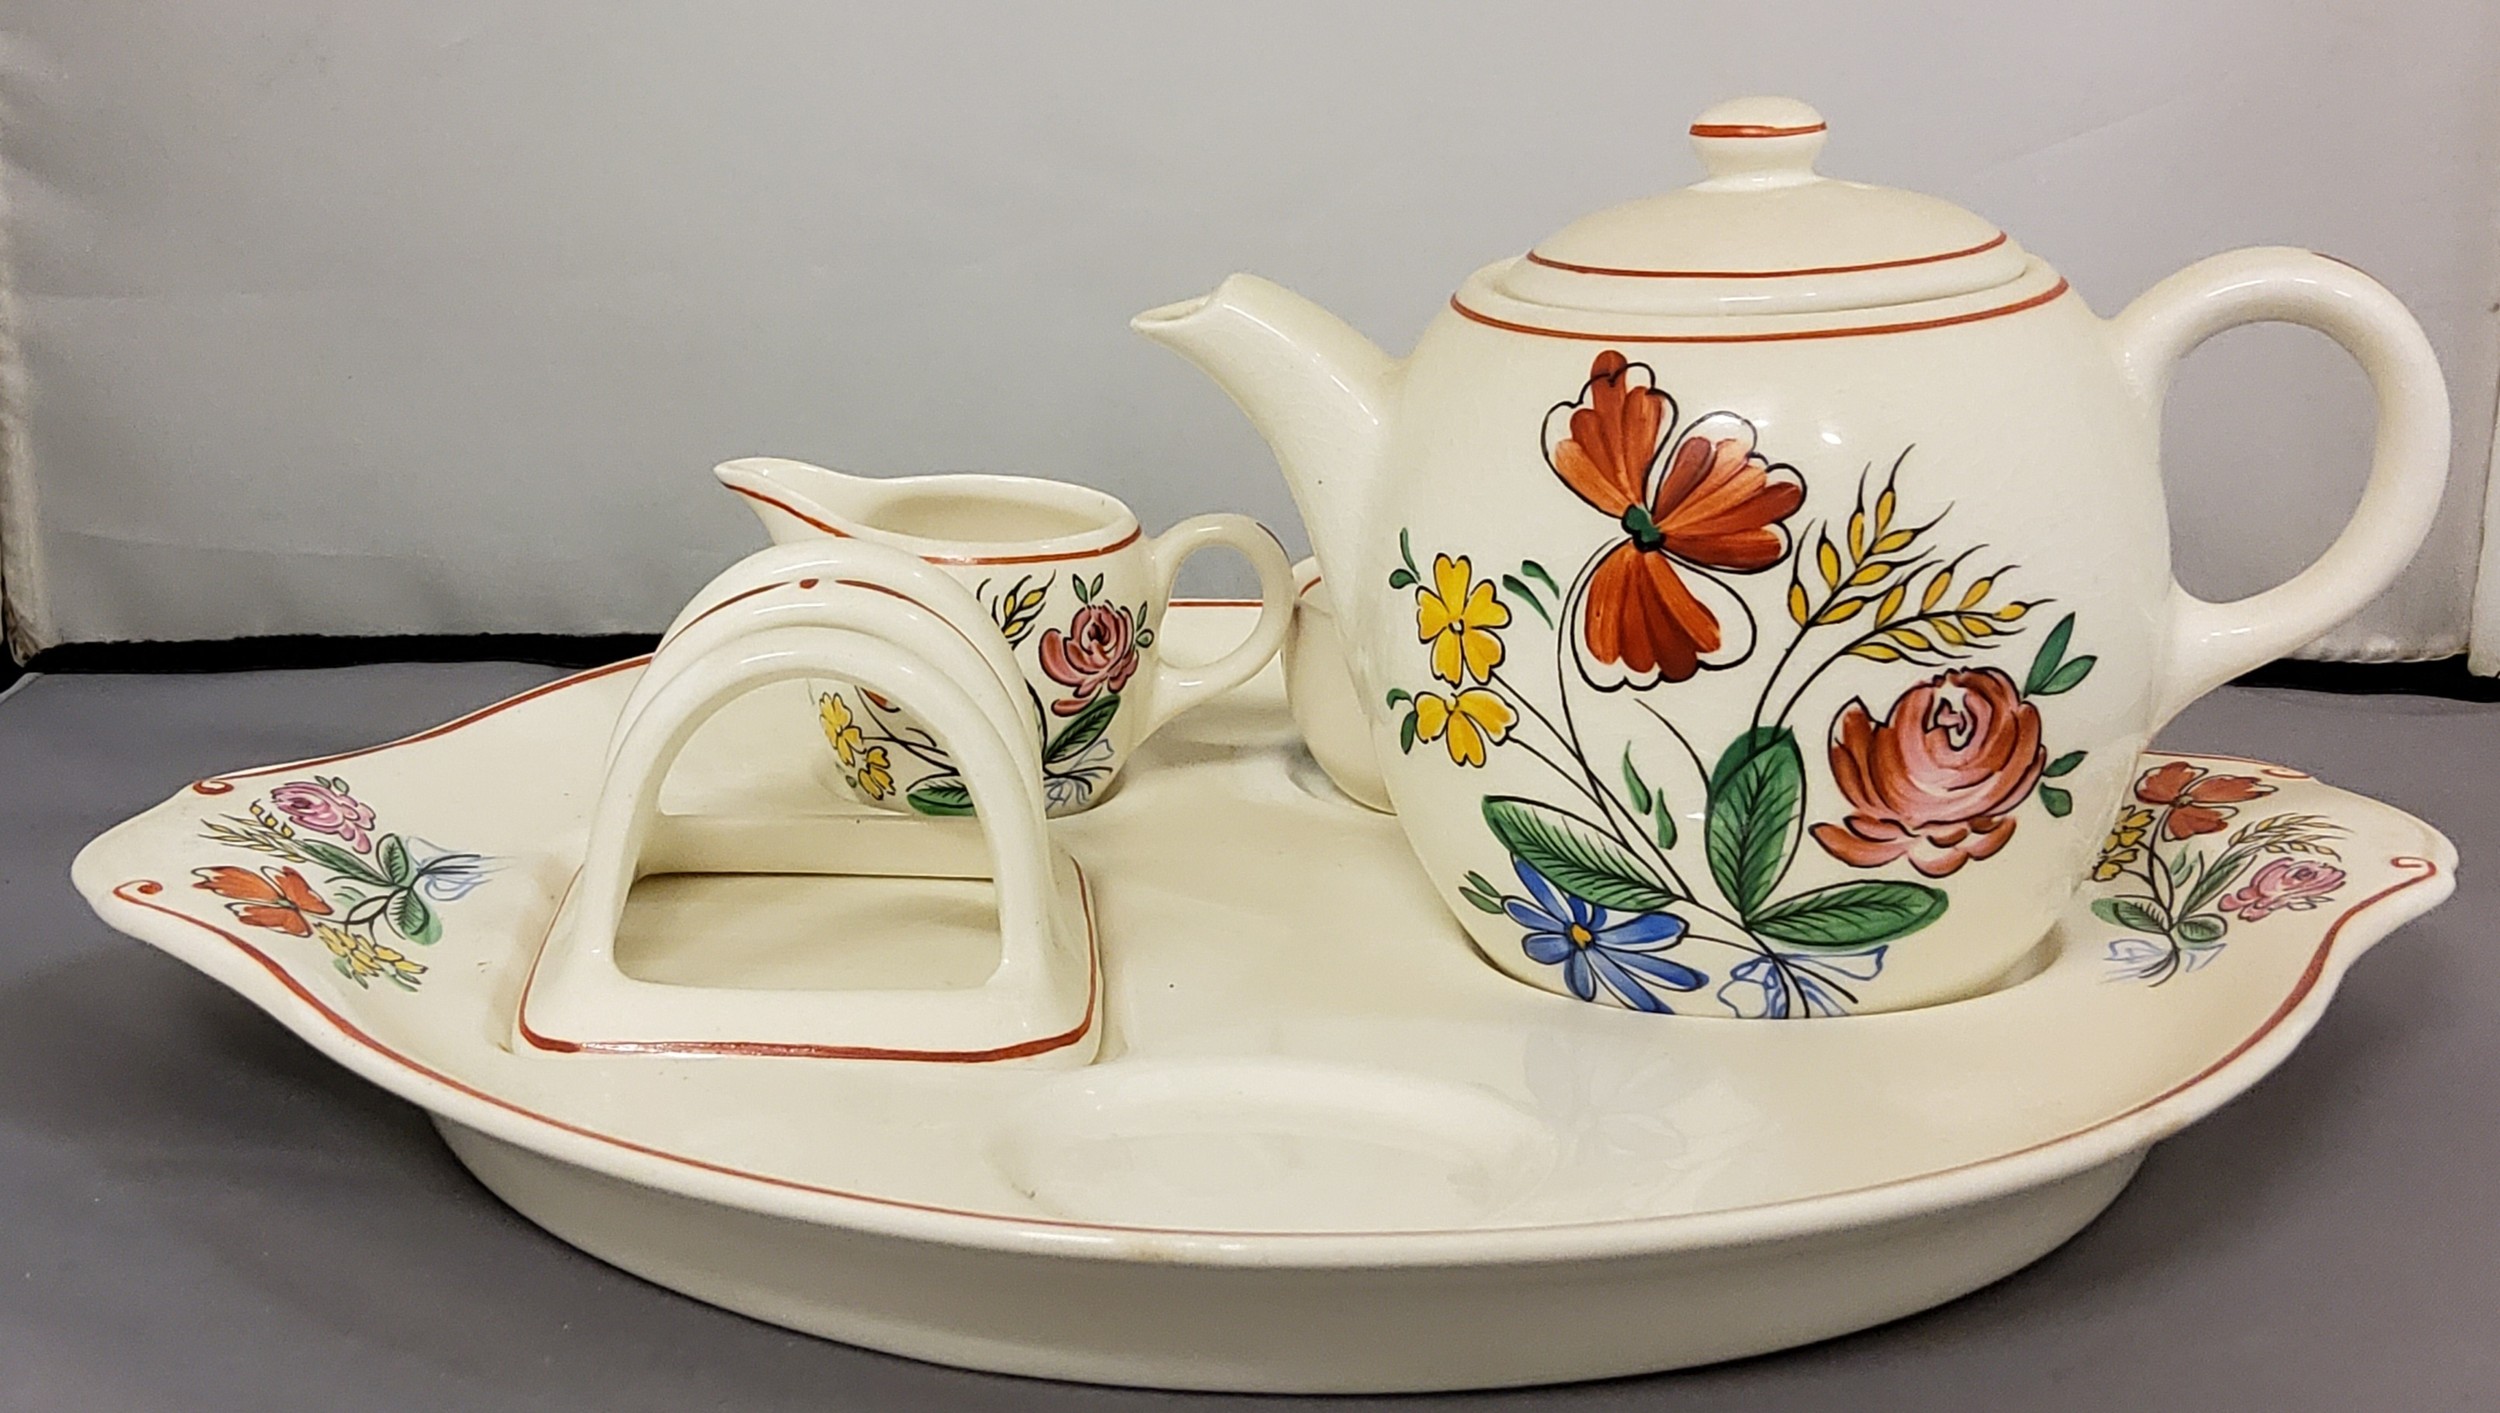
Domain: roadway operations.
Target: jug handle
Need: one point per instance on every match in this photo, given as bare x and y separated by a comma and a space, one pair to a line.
1180, 686
2210, 643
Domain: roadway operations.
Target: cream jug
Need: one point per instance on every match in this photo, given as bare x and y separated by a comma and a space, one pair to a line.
1759, 593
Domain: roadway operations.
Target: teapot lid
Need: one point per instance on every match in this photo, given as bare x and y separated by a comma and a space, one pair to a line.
1764, 234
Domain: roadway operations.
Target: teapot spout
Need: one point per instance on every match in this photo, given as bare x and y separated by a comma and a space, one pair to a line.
1319, 392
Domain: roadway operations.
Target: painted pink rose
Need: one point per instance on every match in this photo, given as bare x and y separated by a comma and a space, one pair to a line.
1936, 782
325, 807
2295, 884
1098, 653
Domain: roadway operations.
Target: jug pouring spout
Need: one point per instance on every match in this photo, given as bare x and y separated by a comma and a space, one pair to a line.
794, 500
1320, 393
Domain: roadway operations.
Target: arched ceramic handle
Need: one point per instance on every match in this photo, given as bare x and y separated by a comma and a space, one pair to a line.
1180, 686
2210, 643
840, 620
834, 582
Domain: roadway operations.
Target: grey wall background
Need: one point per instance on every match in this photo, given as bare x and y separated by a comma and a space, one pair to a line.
430, 315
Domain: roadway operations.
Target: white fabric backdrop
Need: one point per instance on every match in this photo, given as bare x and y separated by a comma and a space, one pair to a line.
429, 315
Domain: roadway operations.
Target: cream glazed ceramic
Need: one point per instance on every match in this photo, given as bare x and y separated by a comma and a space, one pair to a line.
1322, 1148
1769, 582
881, 621
1326, 709
1067, 577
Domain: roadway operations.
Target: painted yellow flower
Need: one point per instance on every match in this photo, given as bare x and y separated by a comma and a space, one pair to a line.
1457, 617
876, 775
1477, 719
360, 958
2123, 846
834, 714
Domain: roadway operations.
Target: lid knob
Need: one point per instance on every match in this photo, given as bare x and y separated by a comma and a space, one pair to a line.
1757, 142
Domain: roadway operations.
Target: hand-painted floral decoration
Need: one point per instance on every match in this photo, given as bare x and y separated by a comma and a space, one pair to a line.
1649, 608
1626, 953
2182, 902
323, 806
378, 888
2285, 883
1938, 780
2196, 801
1095, 656
1457, 617
1933, 782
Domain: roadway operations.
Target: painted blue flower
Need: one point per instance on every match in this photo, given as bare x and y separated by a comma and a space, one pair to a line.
2144, 959
1787, 984
1593, 945
446, 875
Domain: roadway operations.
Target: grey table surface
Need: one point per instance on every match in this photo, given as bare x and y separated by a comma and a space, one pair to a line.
199, 1213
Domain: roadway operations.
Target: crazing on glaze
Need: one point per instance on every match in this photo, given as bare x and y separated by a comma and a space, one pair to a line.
1936, 779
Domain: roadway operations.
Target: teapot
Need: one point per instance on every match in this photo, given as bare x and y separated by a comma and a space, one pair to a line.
1759, 593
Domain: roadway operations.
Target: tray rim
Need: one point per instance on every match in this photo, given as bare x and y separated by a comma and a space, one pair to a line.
259, 978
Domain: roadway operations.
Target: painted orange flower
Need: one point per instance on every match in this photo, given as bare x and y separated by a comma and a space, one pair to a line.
2199, 801
1650, 609
1937, 781
274, 897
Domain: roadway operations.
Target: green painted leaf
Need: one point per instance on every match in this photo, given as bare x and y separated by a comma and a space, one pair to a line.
2063, 765
1523, 592
2136, 914
1082, 730
2052, 652
1757, 795
1480, 892
392, 855
1398, 695
1634, 786
2201, 930
2057, 802
2179, 866
339, 861
1575, 855
1406, 734
2067, 678
1401, 579
1851, 915
1537, 572
409, 916
1664, 822
942, 796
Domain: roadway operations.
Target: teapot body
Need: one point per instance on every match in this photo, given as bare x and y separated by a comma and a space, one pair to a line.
1762, 668
1759, 593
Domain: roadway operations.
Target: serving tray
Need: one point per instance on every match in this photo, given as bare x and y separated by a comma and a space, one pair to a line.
1324, 1146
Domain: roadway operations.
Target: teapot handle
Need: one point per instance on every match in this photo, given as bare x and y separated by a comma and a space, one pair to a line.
2210, 643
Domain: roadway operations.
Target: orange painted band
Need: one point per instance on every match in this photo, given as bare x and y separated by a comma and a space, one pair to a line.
1776, 335
1752, 130
132, 892
1990, 243
1135, 533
